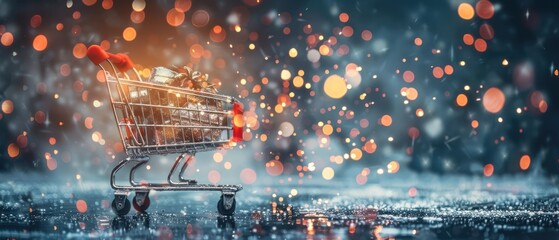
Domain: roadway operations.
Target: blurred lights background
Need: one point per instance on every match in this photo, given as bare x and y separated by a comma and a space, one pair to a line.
332, 90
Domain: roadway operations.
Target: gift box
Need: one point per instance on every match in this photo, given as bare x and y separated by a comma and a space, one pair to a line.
189, 120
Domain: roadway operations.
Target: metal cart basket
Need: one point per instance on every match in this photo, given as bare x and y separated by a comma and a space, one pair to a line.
157, 119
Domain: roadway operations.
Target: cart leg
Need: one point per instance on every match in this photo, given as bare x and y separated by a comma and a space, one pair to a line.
115, 170
226, 205
132, 171
174, 168
141, 201
181, 173
120, 204
120, 165
172, 171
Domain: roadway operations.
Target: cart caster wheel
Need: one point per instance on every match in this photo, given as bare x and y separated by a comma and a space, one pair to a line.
223, 210
141, 208
121, 209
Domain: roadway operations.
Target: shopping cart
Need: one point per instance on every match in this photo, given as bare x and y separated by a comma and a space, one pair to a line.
157, 119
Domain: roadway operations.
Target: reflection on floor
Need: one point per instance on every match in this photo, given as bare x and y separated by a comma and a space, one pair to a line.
380, 211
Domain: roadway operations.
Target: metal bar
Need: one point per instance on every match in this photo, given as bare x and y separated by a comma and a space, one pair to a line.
115, 170
173, 108
128, 103
181, 173
181, 187
120, 88
178, 126
172, 171
181, 144
132, 171
137, 75
114, 109
122, 163
175, 90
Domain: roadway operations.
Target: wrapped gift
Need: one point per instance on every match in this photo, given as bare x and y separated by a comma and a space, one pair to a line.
192, 110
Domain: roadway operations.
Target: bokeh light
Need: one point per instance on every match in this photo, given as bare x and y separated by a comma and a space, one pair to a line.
335, 86
129, 34
174, 17
465, 11
328, 173
485, 9
7, 39
461, 100
525, 162
81, 206
40, 42
493, 100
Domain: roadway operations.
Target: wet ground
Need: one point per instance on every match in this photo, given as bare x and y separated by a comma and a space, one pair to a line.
441, 208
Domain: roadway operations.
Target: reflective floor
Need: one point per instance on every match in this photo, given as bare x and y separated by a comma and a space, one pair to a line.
453, 208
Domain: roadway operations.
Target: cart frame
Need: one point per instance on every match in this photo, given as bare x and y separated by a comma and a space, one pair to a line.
138, 150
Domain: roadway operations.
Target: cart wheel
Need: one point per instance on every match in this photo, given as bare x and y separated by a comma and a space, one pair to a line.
121, 210
143, 207
221, 208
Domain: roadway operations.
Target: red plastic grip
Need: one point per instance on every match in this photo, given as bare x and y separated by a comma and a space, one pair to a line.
238, 122
121, 61
96, 54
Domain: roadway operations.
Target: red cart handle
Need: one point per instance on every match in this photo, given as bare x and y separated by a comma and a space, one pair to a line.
97, 55
238, 122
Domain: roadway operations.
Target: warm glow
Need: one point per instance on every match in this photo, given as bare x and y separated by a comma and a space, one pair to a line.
7, 39
393, 167
292, 52
218, 157
129, 34
480, 45
356, 154
370, 147
40, 42
466, 11
448, 70
367, 35
248, 176
411, 93
324, 50
328, 173
335, 86
214, 176
81, 205
408, 76
274, 168
488, 170
175, 18
475, 124
183, 5
79, 50
493, 100
461, 100
298, 81
485, 9
13, 150
344, 17
386, 120
468, 39
138, 5
327, 129
525, 162
438, 72
419, 112
285, 74
418, 41
7, 106
238, 120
